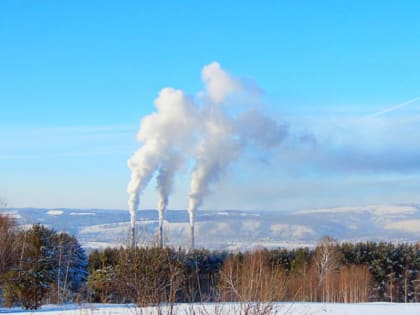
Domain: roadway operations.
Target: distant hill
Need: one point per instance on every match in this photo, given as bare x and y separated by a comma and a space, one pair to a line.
233, 229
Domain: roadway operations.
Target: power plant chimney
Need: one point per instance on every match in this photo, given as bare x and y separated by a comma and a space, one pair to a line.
133, 237
161, 234
192, 236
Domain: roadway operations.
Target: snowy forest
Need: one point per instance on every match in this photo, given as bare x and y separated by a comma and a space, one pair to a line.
39, 265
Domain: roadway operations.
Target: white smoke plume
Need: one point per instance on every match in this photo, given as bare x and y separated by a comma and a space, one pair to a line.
165, 179
217, 149
219, 144
226, 134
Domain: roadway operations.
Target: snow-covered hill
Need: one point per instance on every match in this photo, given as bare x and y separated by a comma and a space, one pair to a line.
232, 229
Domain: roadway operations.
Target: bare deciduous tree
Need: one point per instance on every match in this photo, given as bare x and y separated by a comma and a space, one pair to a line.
326, 263
8, 241
254, 282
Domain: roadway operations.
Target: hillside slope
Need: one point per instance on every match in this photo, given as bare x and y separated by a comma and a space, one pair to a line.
232, 229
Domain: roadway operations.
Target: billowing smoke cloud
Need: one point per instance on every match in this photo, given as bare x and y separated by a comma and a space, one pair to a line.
226, 134
219, 84
213, 129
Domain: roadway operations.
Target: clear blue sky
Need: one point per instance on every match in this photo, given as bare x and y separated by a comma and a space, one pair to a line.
77, 76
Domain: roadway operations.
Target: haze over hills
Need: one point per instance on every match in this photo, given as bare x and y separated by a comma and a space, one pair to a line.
234, 229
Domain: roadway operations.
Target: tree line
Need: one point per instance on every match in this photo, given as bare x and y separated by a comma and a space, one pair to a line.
330, 272
39, 265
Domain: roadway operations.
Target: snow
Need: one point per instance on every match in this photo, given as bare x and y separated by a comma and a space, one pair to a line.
412, 226
226, 308
99, 245
55, 212
251, 225
393, 210
331, 210
114, 228
11, 214
82, 213
378, 210
296, 231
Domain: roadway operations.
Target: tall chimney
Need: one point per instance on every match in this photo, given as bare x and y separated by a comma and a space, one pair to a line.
161, 234
192, 236
133, 237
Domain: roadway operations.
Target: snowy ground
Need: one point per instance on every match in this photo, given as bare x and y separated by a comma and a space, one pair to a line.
228, 309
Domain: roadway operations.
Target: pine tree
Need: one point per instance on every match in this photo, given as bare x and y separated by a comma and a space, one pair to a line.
49, 263
29, 282
71, 267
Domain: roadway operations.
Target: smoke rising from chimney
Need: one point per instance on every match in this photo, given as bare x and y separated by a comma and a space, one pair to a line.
213, 129
165, 179
164, 134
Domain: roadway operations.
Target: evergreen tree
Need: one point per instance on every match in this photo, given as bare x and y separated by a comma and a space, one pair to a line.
72, 266
30, 280
49, 263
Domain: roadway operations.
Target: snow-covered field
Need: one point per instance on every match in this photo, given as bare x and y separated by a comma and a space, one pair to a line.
228, 309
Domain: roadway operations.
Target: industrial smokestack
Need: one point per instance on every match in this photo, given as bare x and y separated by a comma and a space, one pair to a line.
191, 213
132, 227
161, 210
164, 180
161, 235
192, 236
133, 237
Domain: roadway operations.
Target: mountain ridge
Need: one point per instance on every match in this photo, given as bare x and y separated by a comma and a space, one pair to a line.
233, 229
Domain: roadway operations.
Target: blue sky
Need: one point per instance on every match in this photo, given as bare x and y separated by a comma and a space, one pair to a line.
76, 77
